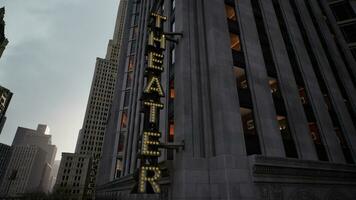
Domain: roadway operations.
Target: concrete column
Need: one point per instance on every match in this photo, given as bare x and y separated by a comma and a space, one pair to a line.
187, 109
312, 87
183, 104
214, 162
298, 124
265, 115
223, 99
328, 76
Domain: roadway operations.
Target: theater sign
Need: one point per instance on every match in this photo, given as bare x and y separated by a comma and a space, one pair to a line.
149, 172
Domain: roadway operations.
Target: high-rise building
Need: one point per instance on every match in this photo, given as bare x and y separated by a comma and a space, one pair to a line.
72, 178
5, 153
90, 139
3, 40
253, 99
30, 163
5, 98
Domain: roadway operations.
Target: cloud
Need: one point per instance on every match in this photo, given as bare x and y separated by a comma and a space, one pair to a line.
49, 62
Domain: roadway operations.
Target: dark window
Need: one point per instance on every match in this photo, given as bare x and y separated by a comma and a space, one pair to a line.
126, 98
349, 32
353, 51
343, 11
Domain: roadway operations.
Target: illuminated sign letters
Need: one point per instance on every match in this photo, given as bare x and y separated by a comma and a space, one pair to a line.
150, 173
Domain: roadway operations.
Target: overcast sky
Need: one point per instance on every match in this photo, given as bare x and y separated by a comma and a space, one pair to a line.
49, 63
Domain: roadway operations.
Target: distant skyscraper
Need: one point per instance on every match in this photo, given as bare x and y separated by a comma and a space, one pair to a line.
5, 153
260, 93
5, 98
30, 164
90, 139
3, 40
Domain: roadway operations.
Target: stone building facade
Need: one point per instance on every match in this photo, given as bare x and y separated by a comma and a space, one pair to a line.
260, 92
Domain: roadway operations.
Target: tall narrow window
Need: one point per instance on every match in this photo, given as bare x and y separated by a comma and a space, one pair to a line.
124, 119
131, 64
247, 117
279, 104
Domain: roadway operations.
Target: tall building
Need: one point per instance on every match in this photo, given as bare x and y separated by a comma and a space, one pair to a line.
231, 99
72, 178
90, 139
5, 98
5, 153
30, 163
3, 40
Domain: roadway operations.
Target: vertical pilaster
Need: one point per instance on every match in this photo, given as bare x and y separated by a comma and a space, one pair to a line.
327, 74
345, 78
266, 118
206, 106
312, 87
296, 117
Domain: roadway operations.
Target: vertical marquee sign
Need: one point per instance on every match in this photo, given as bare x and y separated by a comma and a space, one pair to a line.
149, 172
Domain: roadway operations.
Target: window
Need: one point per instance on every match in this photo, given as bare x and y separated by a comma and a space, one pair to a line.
121, 142
241, 79
274, 87
173, 56
129, 79
124, 119
134, 32
172, 93
235, 42
343, 11
133, 46
230, 12
250, 134
349, 32
173, 26
353, 51
126, 98
171, 128
303, 96
135, 18
119, 168
131, 64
